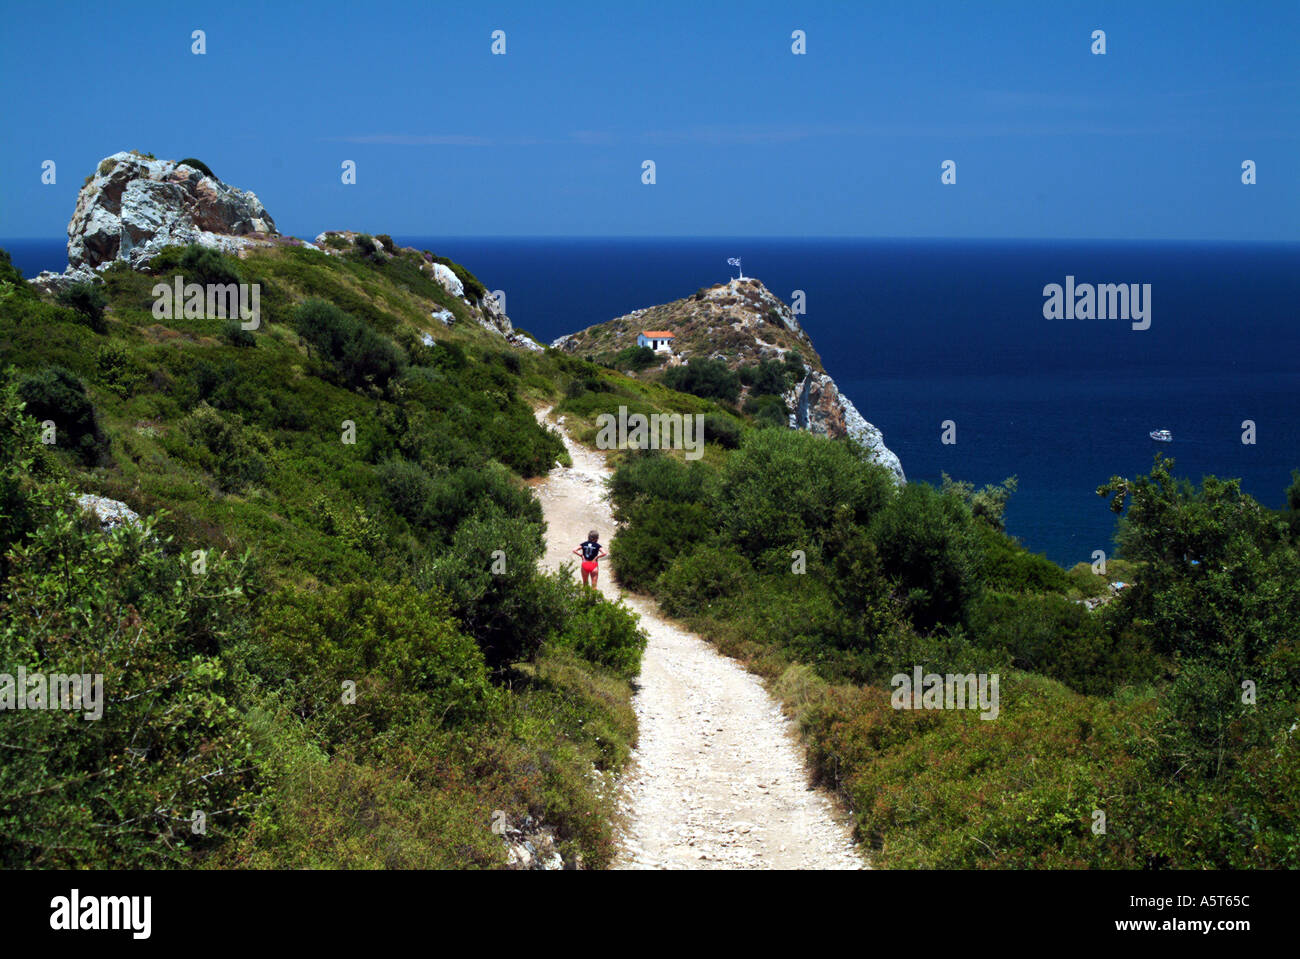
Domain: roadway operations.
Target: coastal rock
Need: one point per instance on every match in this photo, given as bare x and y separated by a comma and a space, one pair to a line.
133, 206
739, 323
448, 280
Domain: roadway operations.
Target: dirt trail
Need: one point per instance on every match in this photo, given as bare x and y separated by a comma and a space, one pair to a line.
717, 780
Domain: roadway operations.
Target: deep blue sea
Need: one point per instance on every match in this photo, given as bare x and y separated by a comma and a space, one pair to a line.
917, 332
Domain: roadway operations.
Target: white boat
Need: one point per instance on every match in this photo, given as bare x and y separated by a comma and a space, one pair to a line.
1162, 436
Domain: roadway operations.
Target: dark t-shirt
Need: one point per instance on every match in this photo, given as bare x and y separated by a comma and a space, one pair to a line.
590, 550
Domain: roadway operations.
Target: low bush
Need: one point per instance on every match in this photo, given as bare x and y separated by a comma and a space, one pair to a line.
234, 334
87, 300
602, 632
198, 165
196, 264
363, 357
704, 377
699, 578
53, 394
635, 358
363, 657
230, 451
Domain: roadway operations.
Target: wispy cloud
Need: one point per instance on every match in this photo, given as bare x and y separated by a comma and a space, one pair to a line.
417, 140
1038, 99
1165, 125
719, 135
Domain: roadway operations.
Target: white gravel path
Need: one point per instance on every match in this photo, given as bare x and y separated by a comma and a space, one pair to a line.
717, 780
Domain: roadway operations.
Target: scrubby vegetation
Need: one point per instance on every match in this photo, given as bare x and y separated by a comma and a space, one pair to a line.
329, 638
1171, 709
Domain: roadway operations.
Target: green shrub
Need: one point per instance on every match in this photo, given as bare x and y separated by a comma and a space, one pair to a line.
119, 792
489, 572
11, 278
653, 535
768, 410
88, 301
701, 577
652, 474
56, 395
704, 377
602, 632
234, 334
196, 264
198, 165
768, 377
930, 550
399, 647
1053, 636
634, 358
988, 504
27, 494
117, 370
232, 452
363, 357
1010, 567
409, 489
722, 430
785, 490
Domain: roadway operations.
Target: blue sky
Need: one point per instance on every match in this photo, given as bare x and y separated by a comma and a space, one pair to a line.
748, 139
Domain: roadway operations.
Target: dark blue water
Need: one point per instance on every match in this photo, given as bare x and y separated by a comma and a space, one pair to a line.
921, 331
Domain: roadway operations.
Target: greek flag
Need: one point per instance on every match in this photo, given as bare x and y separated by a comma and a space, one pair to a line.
733, 261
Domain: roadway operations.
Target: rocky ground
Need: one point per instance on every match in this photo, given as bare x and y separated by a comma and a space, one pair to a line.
717, 780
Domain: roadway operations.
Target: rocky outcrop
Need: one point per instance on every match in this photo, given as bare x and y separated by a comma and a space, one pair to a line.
448, 280
134, 205
741, 322
110, 513
532, 846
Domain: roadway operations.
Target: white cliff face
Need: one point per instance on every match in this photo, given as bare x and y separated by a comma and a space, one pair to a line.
821, 408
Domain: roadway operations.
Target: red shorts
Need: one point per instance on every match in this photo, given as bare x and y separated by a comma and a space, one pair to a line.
589, 566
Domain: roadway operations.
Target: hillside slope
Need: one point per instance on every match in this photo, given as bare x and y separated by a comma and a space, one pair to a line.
322, 625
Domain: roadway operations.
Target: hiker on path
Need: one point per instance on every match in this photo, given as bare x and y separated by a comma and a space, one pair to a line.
591, 552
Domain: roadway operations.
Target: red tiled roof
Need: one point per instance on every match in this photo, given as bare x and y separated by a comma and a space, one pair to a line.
658, 334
